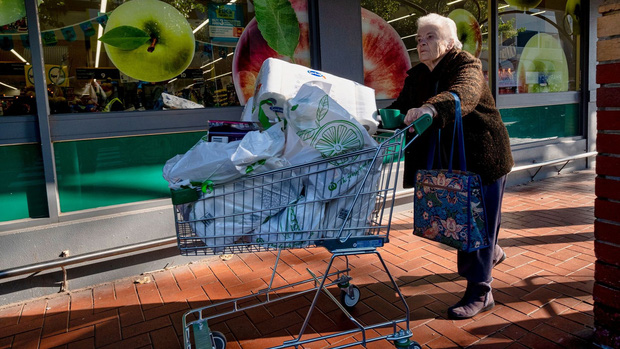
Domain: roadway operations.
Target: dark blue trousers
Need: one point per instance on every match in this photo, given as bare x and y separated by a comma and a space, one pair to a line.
476, 266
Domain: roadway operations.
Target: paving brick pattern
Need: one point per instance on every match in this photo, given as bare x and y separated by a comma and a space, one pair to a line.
543, 290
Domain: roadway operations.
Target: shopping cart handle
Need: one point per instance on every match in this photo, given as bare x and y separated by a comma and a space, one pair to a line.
422, 123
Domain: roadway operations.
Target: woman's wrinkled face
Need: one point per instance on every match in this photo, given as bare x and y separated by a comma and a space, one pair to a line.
432, 45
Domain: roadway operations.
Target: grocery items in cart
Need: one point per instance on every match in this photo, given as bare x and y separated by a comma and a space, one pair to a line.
278, 81
314, 177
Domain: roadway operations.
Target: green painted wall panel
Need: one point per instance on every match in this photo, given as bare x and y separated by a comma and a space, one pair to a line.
533, 123
22, 183
105, 172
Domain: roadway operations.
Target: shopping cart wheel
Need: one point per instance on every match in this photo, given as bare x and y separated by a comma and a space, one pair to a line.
349, 298
414, 345
406, 344
219, 340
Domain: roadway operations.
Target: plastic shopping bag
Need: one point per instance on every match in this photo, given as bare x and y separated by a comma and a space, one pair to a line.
359, 211
318, 127
210, 163
294, 227
256, 147
231, 210
205, 161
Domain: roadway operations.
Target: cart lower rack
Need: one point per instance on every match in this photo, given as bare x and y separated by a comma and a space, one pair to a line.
339, 203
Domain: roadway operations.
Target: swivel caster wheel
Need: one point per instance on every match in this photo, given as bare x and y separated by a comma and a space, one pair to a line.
414, 345
406, 343
219, 340
350, 297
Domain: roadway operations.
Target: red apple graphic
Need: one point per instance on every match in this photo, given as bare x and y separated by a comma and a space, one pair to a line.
385, 56
468, 31
386, 59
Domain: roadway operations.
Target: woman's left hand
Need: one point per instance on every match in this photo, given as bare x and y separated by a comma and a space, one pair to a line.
415, 113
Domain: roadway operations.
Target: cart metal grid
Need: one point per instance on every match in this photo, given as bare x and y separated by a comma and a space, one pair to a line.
339, 203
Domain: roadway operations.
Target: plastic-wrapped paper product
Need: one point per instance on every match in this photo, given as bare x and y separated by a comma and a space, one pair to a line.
294, 227
224, 215
318, 127
278, 81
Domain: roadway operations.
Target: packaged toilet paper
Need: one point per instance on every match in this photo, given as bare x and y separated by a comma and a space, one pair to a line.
279, 80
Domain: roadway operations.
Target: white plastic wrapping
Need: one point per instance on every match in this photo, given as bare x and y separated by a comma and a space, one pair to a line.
204, 161
336, 211
278, 81
294, 227
174, 102
224, 215
319, 127
224, 162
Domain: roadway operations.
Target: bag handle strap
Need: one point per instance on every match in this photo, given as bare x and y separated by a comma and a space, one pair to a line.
457, 135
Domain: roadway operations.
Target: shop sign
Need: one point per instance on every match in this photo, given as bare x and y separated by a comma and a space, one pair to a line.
12, 69
54, 74
97, 73
225, 22
191, 74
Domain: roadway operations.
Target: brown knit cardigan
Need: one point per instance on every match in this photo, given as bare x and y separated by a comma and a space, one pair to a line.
487, 146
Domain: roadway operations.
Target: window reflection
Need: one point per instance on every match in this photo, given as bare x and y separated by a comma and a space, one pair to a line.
85, 75
538, 47
469, 15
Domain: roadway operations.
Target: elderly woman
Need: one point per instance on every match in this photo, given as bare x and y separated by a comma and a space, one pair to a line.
444, 69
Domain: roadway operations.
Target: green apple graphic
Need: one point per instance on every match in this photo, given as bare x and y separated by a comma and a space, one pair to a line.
12, 10
149, 40
542, 66
573, 10
523, 5
468, 31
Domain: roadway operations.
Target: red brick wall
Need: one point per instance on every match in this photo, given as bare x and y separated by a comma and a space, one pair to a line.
606, 290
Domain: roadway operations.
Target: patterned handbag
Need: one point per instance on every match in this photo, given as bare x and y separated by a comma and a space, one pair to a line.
448, 205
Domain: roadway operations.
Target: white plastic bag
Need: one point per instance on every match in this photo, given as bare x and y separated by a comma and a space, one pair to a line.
326, 181
336, 211
294, 227
222, 162
231, 210
204, 161
256, 146
318, 127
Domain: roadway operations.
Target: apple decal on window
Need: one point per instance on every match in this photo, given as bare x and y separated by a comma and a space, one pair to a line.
149, 40
386, 59
542, 66
12, 10
468, 31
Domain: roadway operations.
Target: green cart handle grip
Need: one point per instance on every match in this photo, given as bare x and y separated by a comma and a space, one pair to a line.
422, 123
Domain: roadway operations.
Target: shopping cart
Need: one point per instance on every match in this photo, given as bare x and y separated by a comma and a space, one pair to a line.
342, 203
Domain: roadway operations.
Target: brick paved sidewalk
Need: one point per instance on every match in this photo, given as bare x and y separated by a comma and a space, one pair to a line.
542, 290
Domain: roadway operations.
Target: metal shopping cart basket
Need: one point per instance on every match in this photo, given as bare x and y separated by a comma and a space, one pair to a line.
342, 203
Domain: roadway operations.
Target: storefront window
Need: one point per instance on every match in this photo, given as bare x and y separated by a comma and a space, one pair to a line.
16, 91
389, 37
538, 46
105, 55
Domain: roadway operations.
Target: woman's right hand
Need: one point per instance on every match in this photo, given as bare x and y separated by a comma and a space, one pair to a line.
415, 113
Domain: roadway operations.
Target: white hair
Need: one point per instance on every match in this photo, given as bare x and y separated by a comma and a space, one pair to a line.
442, 23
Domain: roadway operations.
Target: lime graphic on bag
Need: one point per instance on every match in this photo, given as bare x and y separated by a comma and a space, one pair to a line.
319, 128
